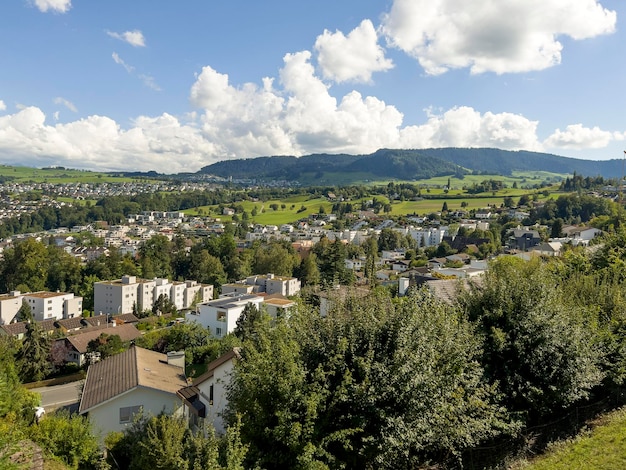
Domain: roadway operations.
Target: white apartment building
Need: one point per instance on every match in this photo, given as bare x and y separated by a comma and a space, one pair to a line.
221, 315
43, 305
54, 305
117, 296
272, 284
120, 295
428, 236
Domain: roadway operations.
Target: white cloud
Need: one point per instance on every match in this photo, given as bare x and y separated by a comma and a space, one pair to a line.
163, 143
351, 58
118, 60
68, 104
134, 38
500, 36
465, 127
294, 115
59, 6
577, 137
147, 80
2, 106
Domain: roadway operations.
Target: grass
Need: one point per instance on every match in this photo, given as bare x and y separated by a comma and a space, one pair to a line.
267, 216
21, 174
601, 448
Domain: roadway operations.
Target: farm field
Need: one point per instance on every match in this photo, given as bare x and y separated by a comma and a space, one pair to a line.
526, 178
290, 213
21, 174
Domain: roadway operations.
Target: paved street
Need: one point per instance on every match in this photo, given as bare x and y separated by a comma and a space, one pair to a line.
59, 396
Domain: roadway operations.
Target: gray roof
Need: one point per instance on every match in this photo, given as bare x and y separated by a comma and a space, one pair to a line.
122, 372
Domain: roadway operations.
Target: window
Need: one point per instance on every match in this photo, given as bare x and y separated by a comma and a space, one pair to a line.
221, 316
218, 332
127, 412
211, 395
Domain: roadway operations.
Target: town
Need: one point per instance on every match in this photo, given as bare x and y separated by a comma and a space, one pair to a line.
170, 298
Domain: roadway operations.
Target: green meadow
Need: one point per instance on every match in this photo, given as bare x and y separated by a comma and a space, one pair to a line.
292, 210
22, 174
601, 448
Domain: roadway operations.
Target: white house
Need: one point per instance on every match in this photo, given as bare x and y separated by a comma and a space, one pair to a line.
221, 315
138, 380
205, 400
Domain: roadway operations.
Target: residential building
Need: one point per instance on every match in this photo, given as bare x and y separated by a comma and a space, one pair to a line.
10, 304
278, 305
221, 315
205, 399
119, 387
122, 295
77, 343
54, 305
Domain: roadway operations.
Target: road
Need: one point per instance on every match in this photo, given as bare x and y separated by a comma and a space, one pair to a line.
59, 396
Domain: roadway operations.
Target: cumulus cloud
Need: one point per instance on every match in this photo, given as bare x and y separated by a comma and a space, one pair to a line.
351, 58
501, 36
2, 106
294, 114
160, 143
465, 127
68, 104
58, 6
577, 137
134, 38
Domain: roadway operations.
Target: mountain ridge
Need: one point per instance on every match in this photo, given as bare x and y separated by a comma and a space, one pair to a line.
411, 164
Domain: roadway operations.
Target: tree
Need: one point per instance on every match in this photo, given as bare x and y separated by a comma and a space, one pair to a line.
444, 208
166, 442
155, 257
70, 438
308, 272
106, 345
376, 383
25, 313
390, 239
163, 306
539, 347
248, 321
27, 263
33, 357
206, 268
277, 258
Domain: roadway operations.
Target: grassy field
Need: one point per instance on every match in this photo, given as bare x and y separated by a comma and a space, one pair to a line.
22, 174
601, 448
266, 215
292, 210
527, 178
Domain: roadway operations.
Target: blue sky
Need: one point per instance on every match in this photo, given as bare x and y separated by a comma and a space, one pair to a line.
174, 86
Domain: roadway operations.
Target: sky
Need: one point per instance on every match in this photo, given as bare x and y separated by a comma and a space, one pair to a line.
173, 86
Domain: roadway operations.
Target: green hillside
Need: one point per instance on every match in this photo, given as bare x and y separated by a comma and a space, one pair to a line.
601, 448
407, 165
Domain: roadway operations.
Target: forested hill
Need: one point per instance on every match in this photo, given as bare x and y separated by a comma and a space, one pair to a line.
409, 165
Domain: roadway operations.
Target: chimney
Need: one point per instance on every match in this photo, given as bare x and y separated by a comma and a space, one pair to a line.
176, 358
